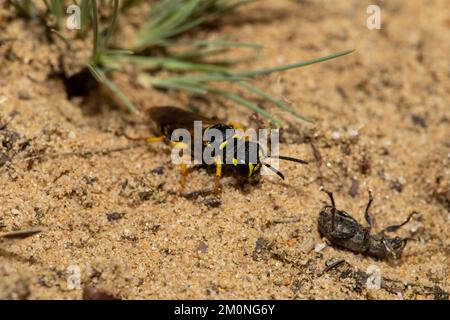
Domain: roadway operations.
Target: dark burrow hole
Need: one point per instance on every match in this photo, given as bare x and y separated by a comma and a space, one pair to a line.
84, 85
80, 84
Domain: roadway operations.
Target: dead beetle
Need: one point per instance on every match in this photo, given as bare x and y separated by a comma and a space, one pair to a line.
343, 230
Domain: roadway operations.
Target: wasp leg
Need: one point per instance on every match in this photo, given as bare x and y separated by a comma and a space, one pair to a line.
217, 188
173, 144
148, 139
183, 175
333, 207
398, 226
155, 139
367, 214
183, 168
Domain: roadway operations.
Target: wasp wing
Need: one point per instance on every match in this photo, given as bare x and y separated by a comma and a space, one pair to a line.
169, 118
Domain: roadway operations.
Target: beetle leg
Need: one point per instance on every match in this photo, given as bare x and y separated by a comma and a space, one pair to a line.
333, 207
367, 214
398, 226
405, 240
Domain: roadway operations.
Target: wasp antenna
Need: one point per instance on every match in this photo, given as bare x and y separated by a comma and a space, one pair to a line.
290, 159
274, 170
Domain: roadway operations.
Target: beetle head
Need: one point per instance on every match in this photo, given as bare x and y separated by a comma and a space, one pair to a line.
394, 246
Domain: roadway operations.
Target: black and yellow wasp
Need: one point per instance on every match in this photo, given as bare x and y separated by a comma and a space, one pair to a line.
243, 157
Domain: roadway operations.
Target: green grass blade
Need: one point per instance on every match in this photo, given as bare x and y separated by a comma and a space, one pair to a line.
261, 72
121, 52
160, 11
237, 4
152, 63
198, 53
25, 8
86, 15
62, 37
166, 24
47, 5
112, 26
156, 36
96, 72
268, 97
57, 8
126, 102
95, 23
212, 43
99, 75
246, 103
206, 78
161, 83
176, 30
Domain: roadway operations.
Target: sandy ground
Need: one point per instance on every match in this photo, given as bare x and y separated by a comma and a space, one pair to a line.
381, 122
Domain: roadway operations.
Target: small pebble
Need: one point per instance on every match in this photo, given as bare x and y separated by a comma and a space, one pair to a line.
114, 216
397, 186
91, 293
158, 170
202, 247
353, 134
365, 166
335, 135
24, 95
72, 135
4, 159
354, 186
212, 202
319, 247
307, 245
128, 235
419, 120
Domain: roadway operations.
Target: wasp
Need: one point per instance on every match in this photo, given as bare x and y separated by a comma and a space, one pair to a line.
243, 157
344, 231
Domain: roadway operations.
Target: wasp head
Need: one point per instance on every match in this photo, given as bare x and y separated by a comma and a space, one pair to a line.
247, 158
